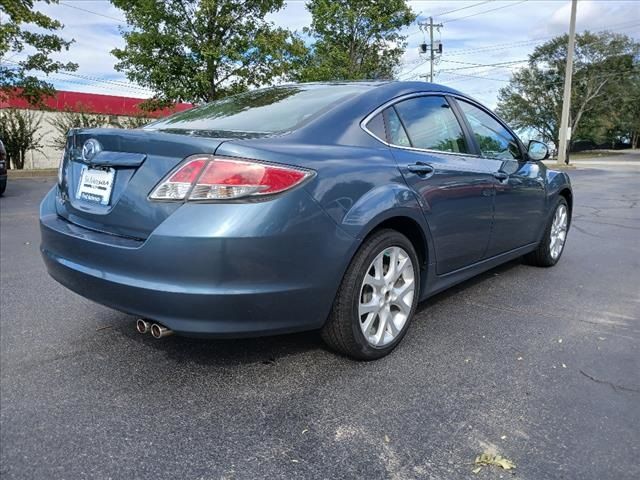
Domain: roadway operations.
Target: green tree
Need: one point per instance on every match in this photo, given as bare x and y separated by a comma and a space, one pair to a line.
203, 50
604, 68
25, 53
19, 130
355, 39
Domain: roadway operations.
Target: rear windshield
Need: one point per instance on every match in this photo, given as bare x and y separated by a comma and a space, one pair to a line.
263, 111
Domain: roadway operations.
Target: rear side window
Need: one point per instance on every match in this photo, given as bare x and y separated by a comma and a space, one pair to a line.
493, 138
397, 134
431, 124
376, 126
267, 110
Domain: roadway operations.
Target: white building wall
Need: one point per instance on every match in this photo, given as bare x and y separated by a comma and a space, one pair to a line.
49, 156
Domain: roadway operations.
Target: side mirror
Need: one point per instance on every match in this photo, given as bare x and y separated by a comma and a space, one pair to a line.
537, 150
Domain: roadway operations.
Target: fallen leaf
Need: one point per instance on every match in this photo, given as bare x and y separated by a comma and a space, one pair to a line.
476, 470
387, 439
497, 460
504, 463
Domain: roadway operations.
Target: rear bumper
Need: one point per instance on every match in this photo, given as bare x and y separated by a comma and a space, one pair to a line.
209, 269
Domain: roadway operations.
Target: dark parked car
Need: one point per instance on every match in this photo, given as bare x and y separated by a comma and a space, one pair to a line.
3, 168
335, 207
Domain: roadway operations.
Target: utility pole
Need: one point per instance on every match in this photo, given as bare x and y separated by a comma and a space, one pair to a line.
565, 131
431, 50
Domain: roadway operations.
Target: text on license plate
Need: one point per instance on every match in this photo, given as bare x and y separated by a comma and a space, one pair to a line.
95, 185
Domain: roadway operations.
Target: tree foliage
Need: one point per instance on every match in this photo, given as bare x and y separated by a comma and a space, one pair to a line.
20, 132
203, 50
26, 52
605, 76
355, 39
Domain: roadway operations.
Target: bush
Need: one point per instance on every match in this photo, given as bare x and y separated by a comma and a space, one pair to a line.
19, 131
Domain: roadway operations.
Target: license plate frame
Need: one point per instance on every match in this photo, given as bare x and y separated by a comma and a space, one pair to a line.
96, 185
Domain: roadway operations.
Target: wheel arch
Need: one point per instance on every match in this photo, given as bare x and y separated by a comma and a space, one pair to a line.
567, 194
411, 229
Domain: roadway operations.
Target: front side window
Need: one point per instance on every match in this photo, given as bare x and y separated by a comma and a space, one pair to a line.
431, 124
493, 138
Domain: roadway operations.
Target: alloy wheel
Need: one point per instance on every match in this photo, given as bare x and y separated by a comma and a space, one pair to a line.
386, 296
558, 231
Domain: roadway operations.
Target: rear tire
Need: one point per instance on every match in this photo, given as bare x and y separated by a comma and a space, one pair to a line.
371, 315
548, 253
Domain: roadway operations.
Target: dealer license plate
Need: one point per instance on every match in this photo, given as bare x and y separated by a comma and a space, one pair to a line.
96, 185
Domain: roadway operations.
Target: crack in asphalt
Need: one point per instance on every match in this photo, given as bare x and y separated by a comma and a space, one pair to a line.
611, 224
582, 230
544, 314
614, 386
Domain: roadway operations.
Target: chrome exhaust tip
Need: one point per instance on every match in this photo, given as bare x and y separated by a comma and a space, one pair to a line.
158, 331
142, 326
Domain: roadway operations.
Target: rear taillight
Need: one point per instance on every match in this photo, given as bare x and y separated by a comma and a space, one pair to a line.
61, 166
222, 178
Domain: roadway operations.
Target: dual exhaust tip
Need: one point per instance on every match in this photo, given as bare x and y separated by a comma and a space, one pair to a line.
157, 331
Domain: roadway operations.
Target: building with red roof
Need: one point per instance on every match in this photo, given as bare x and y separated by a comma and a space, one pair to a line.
112, 109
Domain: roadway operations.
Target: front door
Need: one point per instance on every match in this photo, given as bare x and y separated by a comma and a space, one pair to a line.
519, 185
454, 186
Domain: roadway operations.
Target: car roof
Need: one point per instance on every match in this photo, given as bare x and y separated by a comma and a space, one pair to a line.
399, 86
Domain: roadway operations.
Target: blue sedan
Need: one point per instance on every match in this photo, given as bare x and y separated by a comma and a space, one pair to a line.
329, 206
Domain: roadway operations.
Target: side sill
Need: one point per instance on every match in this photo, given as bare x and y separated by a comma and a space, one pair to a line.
442, 282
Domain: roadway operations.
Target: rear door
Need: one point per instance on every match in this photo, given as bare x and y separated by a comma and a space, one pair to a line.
519, 203
454, 184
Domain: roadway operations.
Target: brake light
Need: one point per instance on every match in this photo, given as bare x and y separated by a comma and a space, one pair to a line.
220, 178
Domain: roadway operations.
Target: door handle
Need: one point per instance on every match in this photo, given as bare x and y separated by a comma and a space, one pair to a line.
420, 168
501, 176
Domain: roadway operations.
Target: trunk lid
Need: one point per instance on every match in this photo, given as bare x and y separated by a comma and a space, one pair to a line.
133, 161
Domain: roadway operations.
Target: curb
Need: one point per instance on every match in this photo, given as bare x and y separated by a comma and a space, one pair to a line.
44, 172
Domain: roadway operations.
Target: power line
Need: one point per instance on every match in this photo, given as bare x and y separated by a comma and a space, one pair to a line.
494, 66
502, 46
113, 88
119, 20
484, 11
442, 14
558, 82
99, 80
481, 65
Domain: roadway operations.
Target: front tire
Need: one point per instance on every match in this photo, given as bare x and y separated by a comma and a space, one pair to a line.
555, 236
376, 299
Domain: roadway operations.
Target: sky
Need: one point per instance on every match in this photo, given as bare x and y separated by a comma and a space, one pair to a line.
477, 32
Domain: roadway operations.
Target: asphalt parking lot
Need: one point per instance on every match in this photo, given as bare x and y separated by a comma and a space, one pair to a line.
539, 365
